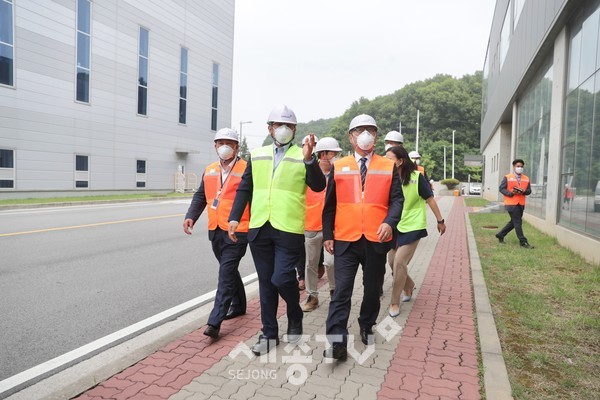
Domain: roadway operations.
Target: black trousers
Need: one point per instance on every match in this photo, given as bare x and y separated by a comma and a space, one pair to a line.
230, 289
277, 255
346, 267
516, 223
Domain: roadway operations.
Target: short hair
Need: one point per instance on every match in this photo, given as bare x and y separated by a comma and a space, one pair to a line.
518, 160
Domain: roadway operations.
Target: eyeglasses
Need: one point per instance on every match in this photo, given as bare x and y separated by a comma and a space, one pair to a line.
371, 129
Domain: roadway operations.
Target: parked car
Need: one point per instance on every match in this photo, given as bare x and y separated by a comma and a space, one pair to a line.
475, 188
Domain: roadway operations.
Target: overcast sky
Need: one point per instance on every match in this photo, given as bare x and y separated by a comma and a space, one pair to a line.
318, 56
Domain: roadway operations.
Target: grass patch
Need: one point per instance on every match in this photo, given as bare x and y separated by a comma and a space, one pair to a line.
90, 198
475, 202
546, 304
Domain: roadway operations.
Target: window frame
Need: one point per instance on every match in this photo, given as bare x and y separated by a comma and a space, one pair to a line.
89, 55
12, 46
182, 73
141, 177
3, 170
77, 173
214, 102
147, 58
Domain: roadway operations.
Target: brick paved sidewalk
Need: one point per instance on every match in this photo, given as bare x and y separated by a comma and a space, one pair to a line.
428, 352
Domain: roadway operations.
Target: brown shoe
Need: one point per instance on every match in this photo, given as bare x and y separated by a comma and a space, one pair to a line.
310, 304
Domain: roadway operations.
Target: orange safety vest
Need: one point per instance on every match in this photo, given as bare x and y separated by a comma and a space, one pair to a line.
517, 198
219, 216
314, 210
361, 213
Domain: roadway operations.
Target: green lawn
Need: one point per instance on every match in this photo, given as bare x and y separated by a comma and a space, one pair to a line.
546, 304
91, 198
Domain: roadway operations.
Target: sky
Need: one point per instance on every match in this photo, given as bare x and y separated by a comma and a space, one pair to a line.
319, 56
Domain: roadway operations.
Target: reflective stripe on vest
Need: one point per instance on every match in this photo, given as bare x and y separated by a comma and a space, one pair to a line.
414, 212
357, 214
212, 183
278, 196
511, 183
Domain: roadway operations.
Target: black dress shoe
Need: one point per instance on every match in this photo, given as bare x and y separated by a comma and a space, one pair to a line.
264, 345
527, 245
212, 331
337, 351
367, 336
294, 331
232, 313
500, 239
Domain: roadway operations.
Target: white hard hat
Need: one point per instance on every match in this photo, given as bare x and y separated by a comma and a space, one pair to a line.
226, 133
307, 138
282, 114
362, 120
327, 144
394, 136
414, 154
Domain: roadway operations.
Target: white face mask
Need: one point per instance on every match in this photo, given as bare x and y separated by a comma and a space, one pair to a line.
333, 159
283, 135
225, 152
519, 170
418, 161
388, 146
365, 141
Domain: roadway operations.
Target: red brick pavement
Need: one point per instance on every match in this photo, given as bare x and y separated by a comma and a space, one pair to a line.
165, 372
436, 357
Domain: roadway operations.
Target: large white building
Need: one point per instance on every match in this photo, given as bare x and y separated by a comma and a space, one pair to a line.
541, 103
99, 96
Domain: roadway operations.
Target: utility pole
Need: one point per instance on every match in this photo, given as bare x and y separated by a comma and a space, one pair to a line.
453, 154
444, 162
417, 138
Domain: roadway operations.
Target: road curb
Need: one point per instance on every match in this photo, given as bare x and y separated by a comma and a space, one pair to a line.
89, 202
78, 370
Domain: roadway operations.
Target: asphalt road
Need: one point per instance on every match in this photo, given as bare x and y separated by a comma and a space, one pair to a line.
71, 275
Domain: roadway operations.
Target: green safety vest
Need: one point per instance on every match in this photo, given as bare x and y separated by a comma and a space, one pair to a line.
414, 212
278, 196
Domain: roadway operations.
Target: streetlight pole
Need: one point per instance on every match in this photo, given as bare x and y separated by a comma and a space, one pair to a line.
242, 136
417, 136
453, 154
444, 162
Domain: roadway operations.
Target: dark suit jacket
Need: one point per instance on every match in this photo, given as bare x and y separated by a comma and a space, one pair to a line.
396, 202
314, 180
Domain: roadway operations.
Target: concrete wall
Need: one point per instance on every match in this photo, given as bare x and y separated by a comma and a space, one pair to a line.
42, 122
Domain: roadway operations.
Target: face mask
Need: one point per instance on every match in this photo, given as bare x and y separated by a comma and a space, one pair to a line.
333, 159
225, 152
365, 141
387, 146
283, 135
519, 170
418, 162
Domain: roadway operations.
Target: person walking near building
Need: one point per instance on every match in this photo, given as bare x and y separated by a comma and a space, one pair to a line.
327, 150
274, 183
412, 226
217, 190
515, 187
362, 205
393, 138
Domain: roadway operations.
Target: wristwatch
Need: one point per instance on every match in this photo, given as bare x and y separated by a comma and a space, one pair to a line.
441, 222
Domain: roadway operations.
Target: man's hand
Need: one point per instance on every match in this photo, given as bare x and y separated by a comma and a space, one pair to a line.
188, 224
308, 146
231, 231
384, 232
328, 245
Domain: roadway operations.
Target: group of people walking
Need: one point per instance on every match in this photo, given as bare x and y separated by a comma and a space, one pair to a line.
301, 206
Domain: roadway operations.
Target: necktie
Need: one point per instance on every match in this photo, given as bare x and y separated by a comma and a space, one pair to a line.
363, 171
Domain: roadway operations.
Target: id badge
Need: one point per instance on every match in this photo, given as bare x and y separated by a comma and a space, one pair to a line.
214, 204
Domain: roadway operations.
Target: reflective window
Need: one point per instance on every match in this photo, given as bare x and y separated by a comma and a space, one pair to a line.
505, 35
518, 7
140, 176
580, 171
183, 86
142, 108
533, 130
82, 71
215, 97
6, 43
82, 171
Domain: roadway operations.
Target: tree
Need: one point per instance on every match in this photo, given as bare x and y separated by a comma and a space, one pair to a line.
243, 152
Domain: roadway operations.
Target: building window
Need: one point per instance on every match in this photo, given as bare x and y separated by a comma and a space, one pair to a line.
7, 50
140, 174
580, 172
215, 97
143, 72
7, 169
533, 132
82, 171
83, 51
183, 86
505, 35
